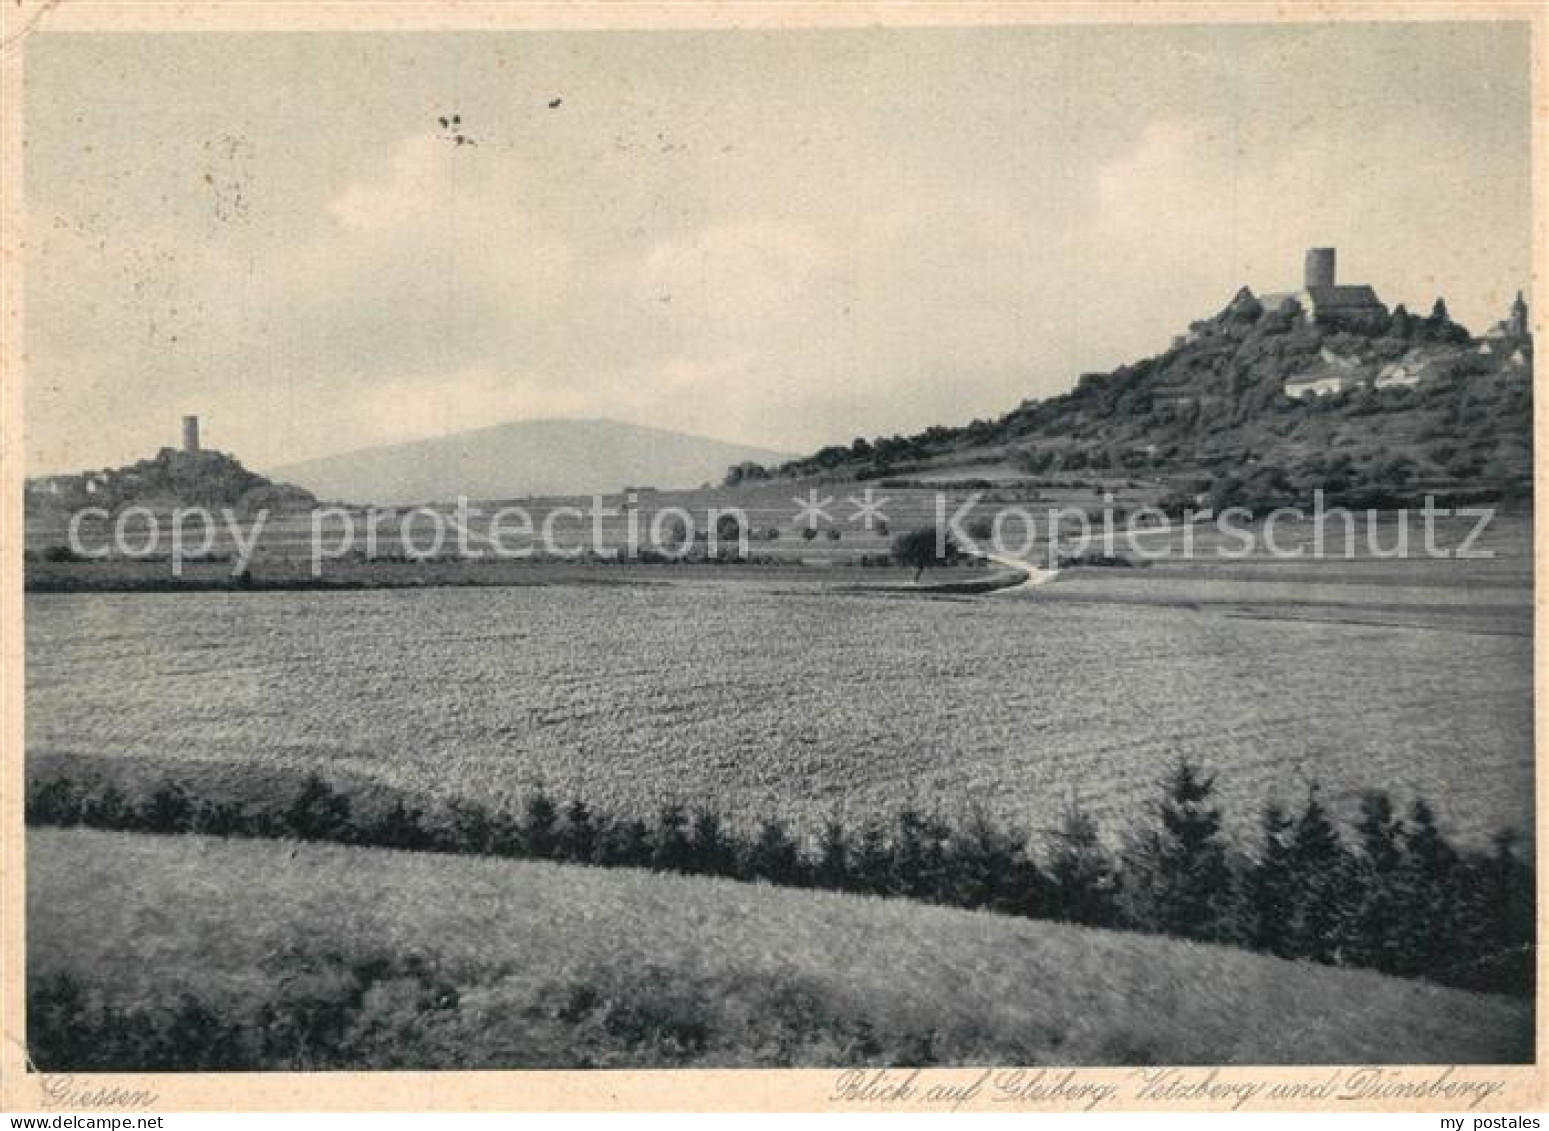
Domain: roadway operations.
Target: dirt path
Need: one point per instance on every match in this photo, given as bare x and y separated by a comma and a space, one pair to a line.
1031, 576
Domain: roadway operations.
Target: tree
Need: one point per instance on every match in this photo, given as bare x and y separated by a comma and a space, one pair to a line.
1430, 900
919, 856
773, 856
924, 548
403, 826
578, 837
983, 864
729, 530
1375, 936
472, 830
672, 851
1178, 870
55, 802
1082, 880
539, 821
1270, 890
1177, 503
871, 860
626, 843
1379, 833
1501, 920
168, 810
505, 835
675, 537
833, 866
745, 472
318, 812
1321, 870
713, 853
1401, 325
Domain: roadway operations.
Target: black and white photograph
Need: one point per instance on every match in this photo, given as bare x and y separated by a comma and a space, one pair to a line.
882, 546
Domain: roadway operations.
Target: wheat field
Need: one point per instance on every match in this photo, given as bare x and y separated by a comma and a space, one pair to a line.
787, 701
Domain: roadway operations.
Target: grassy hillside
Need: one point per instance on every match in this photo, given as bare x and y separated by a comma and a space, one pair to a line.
330, 956
1214, 411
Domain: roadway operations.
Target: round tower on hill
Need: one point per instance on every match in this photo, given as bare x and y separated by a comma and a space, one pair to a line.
190, 434
1319, 267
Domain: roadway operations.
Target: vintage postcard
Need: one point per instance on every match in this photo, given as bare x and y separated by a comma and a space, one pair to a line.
980, 555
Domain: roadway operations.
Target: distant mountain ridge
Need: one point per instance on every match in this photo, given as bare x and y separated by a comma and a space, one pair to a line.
520, 458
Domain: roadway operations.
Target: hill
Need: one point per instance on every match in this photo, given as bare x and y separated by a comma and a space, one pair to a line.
371, 958
532, 457
171, 478
1258, 407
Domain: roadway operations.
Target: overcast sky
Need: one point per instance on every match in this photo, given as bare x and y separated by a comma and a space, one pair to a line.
784, 239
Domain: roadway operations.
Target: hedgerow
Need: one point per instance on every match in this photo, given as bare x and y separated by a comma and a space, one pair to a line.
1393, 894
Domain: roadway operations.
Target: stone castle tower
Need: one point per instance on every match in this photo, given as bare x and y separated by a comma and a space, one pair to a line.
190, 434
1328, 302
1319, 270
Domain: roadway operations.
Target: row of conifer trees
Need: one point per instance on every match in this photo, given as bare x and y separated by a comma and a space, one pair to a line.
1392, 894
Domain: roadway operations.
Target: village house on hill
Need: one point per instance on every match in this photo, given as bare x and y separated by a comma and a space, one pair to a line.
1331, 373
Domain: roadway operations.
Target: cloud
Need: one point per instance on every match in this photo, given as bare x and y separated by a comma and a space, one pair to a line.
872, 236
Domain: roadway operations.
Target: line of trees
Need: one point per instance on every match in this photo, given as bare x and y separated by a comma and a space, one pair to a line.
1395, 895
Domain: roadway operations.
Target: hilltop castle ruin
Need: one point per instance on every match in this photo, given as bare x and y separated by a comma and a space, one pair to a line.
1360, 343
187, 475
1328, 302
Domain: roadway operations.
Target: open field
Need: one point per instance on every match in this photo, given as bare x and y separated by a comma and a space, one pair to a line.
430, 961
1330, 599
397, 547
769, 508
155, 576
1490, 591
629, 696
